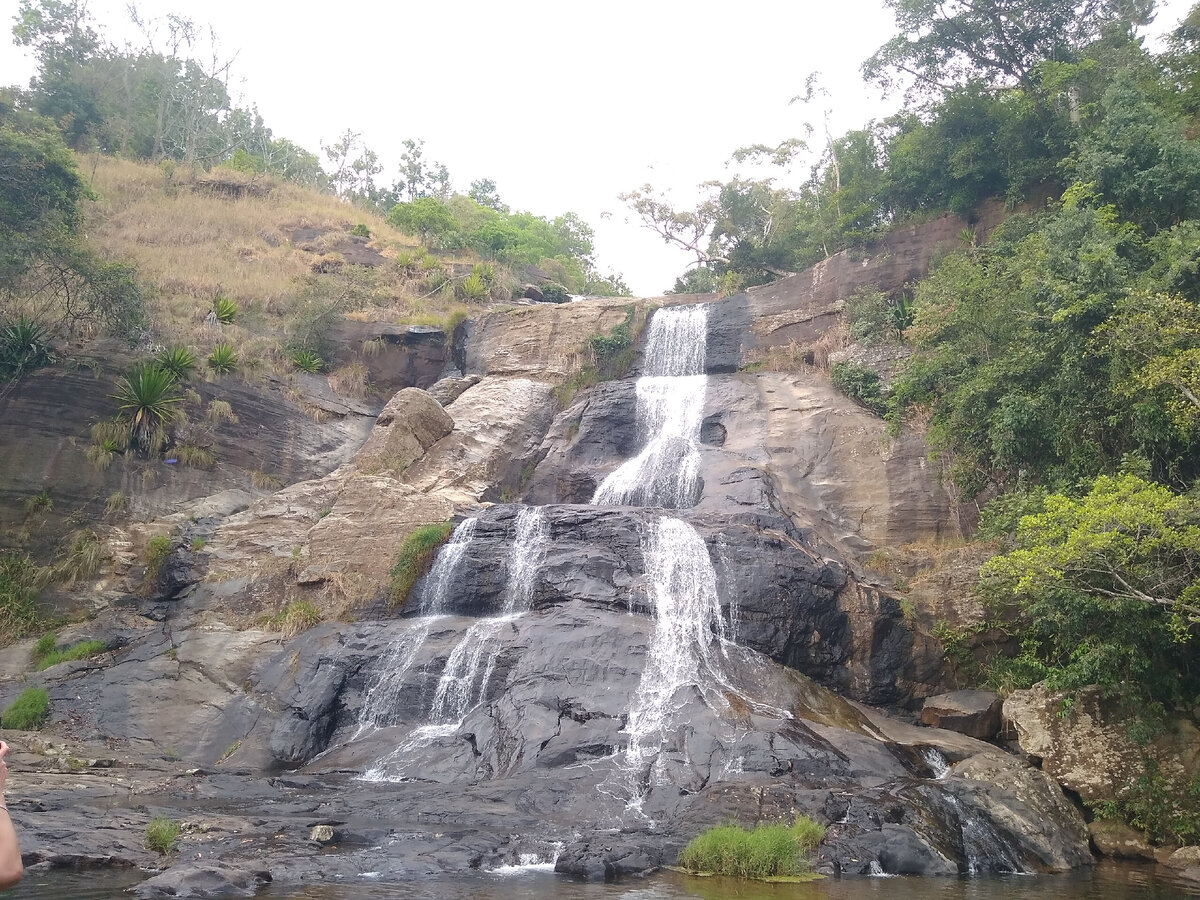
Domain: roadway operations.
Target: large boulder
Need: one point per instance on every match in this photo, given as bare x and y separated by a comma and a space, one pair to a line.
974, 713
411, 423
1084, 742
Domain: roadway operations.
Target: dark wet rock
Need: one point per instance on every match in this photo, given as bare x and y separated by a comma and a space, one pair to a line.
973, 713
204, 880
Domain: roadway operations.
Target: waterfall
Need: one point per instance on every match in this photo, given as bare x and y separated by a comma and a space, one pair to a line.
687, 626
670, 409
437, 584
469, 667
381, 704
938, 764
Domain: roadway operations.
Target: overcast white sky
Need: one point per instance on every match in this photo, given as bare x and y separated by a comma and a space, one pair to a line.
564, 105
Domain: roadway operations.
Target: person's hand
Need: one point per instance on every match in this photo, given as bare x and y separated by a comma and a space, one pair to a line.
3, 765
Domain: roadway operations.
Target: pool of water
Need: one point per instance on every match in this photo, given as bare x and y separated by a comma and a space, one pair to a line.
1107, 881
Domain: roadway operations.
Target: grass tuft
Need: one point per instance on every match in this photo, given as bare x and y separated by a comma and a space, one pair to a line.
80, 650
28, 712
768, 851
296, 617
414, 558
161, 833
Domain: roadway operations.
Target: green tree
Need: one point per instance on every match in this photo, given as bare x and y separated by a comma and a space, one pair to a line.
940, 45
1106, 587
427, 217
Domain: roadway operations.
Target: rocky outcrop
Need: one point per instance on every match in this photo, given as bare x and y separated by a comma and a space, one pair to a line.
974, 713
1085, 745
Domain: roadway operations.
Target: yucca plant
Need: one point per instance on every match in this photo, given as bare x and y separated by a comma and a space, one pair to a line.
222, 360
307, 361
148, 401
474, 287
225, 310
24, 346
179, 361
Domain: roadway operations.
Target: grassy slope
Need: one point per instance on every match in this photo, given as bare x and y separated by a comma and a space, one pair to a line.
190, 246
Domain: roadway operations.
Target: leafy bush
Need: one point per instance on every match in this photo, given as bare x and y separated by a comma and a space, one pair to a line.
769, 851
555, 293
148, 401
414, 558
179, 361
874, 318
614, 351
361, 230
225, 310
223, 359
80, 650
307, 361
24, 346
161, 833
157, 551
28, 712
860, 384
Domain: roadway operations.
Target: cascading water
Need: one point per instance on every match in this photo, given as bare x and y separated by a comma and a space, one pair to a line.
461, 685
469, 667
437, 584
670, 409
381, 703
687, 630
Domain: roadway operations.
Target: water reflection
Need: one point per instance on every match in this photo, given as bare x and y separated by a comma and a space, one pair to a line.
1104, 882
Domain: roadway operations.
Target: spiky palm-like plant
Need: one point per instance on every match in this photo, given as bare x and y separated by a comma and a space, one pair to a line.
179, 361
307, 361
24, 346
222, 360
148, 400
225, 310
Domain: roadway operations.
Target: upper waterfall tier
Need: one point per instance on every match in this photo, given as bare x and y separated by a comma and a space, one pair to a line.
670, 409
677, 341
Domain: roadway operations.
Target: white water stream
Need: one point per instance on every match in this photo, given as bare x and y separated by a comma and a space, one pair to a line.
670, 410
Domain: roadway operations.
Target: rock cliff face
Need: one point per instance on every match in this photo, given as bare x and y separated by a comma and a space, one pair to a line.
592, 683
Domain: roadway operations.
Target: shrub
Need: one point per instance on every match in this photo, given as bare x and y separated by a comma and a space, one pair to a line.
157, 551
769, 851
225, 310
361, 230
555, 293
28, 712
414, 558
860, 384
307, 361
222, 360
79, 650
148, 401
24, 346
179, 361
161, 833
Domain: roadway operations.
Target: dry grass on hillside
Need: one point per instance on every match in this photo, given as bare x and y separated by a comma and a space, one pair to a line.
192, 247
